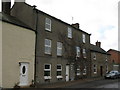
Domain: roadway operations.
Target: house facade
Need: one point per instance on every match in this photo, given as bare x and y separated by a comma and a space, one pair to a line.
62, 50
115, 59
17, 53
100, 61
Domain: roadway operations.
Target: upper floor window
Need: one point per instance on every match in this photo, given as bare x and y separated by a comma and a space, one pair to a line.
47, 24
106, 59
69, 32
47, 46
77, 51
59, 48
84, 53
84, 70
47, 71
59, 71
94, 56
83, 38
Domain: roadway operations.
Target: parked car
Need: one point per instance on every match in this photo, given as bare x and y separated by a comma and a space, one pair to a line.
112, 75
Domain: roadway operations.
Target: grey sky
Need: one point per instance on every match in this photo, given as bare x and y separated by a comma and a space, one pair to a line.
97, 17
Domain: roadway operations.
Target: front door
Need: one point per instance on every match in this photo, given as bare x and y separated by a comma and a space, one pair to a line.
101, 70
67, 72
23, 74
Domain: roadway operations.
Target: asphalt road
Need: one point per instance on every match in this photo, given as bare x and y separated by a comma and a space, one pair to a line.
105, 83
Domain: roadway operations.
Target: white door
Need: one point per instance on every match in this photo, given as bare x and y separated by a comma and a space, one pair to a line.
67, 72
23, 74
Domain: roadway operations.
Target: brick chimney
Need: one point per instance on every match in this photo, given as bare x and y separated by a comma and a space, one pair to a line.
98, 44
76, 25
6, 5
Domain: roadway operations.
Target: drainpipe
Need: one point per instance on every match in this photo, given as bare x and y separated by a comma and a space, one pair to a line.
36, 26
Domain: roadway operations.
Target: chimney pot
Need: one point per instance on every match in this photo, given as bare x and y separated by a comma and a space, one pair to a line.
6, 5
76, 25
98, 44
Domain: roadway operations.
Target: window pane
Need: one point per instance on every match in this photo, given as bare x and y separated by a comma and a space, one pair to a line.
59, 48
46, 73
84, 53
83, 36
69, 32
48, 24
78, 51
59, 52
48, 21
47, 50
78, 72
47, 46
59, 67
59, 73
59, 44
47, 42
47, 66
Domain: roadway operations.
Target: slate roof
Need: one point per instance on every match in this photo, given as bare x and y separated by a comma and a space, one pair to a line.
55, 18
113, 50
13, 20
97, 49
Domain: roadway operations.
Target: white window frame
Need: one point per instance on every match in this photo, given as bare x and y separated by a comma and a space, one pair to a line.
85, 71
83, 38
95, 68
59, 76
77, 51
78, 71
69, 32
84, 53
59, 49
47, 77
47, 23
48, 46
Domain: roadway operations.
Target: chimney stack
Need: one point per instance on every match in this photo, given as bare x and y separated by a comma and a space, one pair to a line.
6, 5
76, 25
98, 44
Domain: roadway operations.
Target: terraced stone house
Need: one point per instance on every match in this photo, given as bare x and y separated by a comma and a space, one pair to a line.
100, 61
62, 50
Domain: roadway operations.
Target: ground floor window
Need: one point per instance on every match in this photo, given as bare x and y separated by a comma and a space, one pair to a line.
78, 70
84, 71
59, 71
47, 71
94, 69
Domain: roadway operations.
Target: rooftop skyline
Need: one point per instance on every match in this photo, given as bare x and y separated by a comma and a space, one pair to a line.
96, 17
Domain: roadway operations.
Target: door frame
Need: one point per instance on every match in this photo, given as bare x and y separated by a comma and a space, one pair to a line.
26, 64
67, 73
101, 70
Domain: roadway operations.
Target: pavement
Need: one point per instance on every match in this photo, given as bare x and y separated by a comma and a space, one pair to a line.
66, 84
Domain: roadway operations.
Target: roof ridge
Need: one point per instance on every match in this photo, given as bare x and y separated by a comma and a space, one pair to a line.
56, 18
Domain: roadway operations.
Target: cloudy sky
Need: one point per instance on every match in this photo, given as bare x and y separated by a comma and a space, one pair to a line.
97, 17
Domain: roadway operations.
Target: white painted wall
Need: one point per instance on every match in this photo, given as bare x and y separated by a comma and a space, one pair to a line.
18, 46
